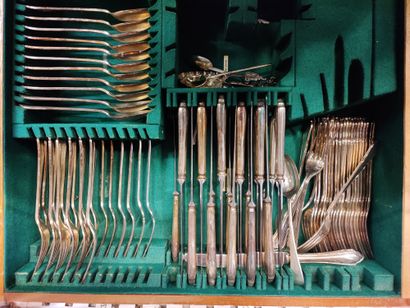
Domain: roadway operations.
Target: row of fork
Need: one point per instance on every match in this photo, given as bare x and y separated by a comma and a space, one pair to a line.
72, 230
342, 143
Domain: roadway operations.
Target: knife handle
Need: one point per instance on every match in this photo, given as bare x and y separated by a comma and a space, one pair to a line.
231, 262
211, 242
251, 239
182, 140
228, 219
267, 237
175, 227
191, 256
273, 139
201, 126
280, 142
247, 201
260, 141
240, 142
221, 136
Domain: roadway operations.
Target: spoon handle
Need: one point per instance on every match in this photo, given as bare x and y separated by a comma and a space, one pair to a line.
338, 257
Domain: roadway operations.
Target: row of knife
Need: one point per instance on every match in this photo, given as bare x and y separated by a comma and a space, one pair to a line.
250, 155
243, 161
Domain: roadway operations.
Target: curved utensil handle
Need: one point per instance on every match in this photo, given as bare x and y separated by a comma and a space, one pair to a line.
251, 239
338, 257
221, 136
191, 256
294, 258
231, 262
182, 140
267, 237
201, 126
211, 243
297, 205
175, 227
259, 160
240, 142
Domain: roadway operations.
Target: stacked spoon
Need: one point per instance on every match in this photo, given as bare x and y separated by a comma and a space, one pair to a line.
97, 66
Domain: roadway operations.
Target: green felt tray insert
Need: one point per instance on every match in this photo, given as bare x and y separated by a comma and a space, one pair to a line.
340, 58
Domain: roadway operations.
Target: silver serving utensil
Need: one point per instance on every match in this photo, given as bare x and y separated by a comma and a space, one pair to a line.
118, 107
128, 199
280, 172
141, 112
151, 213
346, 257
139, 68
41, 180
119, 202
133, 75
129, 97
127, 37
140, 39
123, 15
136, 55
139, 203
110, 206
90, 250
128, 26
